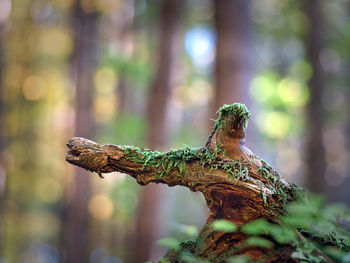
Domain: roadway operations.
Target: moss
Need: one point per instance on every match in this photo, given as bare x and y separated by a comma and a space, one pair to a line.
283, 192
179, 157
237, 170
167, 161
236, 112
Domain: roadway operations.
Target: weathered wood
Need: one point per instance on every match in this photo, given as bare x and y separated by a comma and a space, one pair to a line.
237, 185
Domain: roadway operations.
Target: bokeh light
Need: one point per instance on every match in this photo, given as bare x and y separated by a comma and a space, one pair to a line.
34, 88
56, 42
292, 93
101, 207
200, 45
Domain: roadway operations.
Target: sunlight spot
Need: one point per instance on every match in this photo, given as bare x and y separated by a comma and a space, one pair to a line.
101, 207
33, 88
276, 124
262, 88
200, 45
292, 92
104, 108
198, 93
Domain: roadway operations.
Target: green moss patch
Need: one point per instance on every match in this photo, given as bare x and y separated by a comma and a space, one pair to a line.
236, 112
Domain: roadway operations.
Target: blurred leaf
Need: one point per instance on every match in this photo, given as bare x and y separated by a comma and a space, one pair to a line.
257, 227
333, 211
316, 201
190, 258
191, 231
224, 226
169, 242
302, 209
259, 241
299, 255
334, 253
239, 259
282, 234
298, 221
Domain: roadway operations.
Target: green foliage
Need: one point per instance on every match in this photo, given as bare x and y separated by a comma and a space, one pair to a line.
169, 242
180, 251
224, 225
313, 229
324, 225
188, 257
239, 259
307, 252
189, 230
259, 241
320, 226
281, 233
257, 227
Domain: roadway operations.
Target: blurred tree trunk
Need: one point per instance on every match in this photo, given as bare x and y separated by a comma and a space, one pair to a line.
2, 142
125, 41
315, 153
83, 65
148, 215
340, 193
233, 68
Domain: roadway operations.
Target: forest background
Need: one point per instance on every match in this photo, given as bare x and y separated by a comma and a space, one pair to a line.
152, 73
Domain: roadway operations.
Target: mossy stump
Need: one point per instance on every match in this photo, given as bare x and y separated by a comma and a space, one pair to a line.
237, 185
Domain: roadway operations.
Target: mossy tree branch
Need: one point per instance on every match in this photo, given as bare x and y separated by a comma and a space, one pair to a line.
237, 185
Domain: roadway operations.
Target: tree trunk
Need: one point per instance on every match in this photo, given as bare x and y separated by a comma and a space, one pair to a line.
315, 153
148, 221
233, 65
84, 62
238, 186
126, 45
2, 139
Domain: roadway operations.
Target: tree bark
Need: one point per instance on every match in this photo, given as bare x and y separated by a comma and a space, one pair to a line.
76, 234
148, 221
315, 153
233, 67
237, 185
